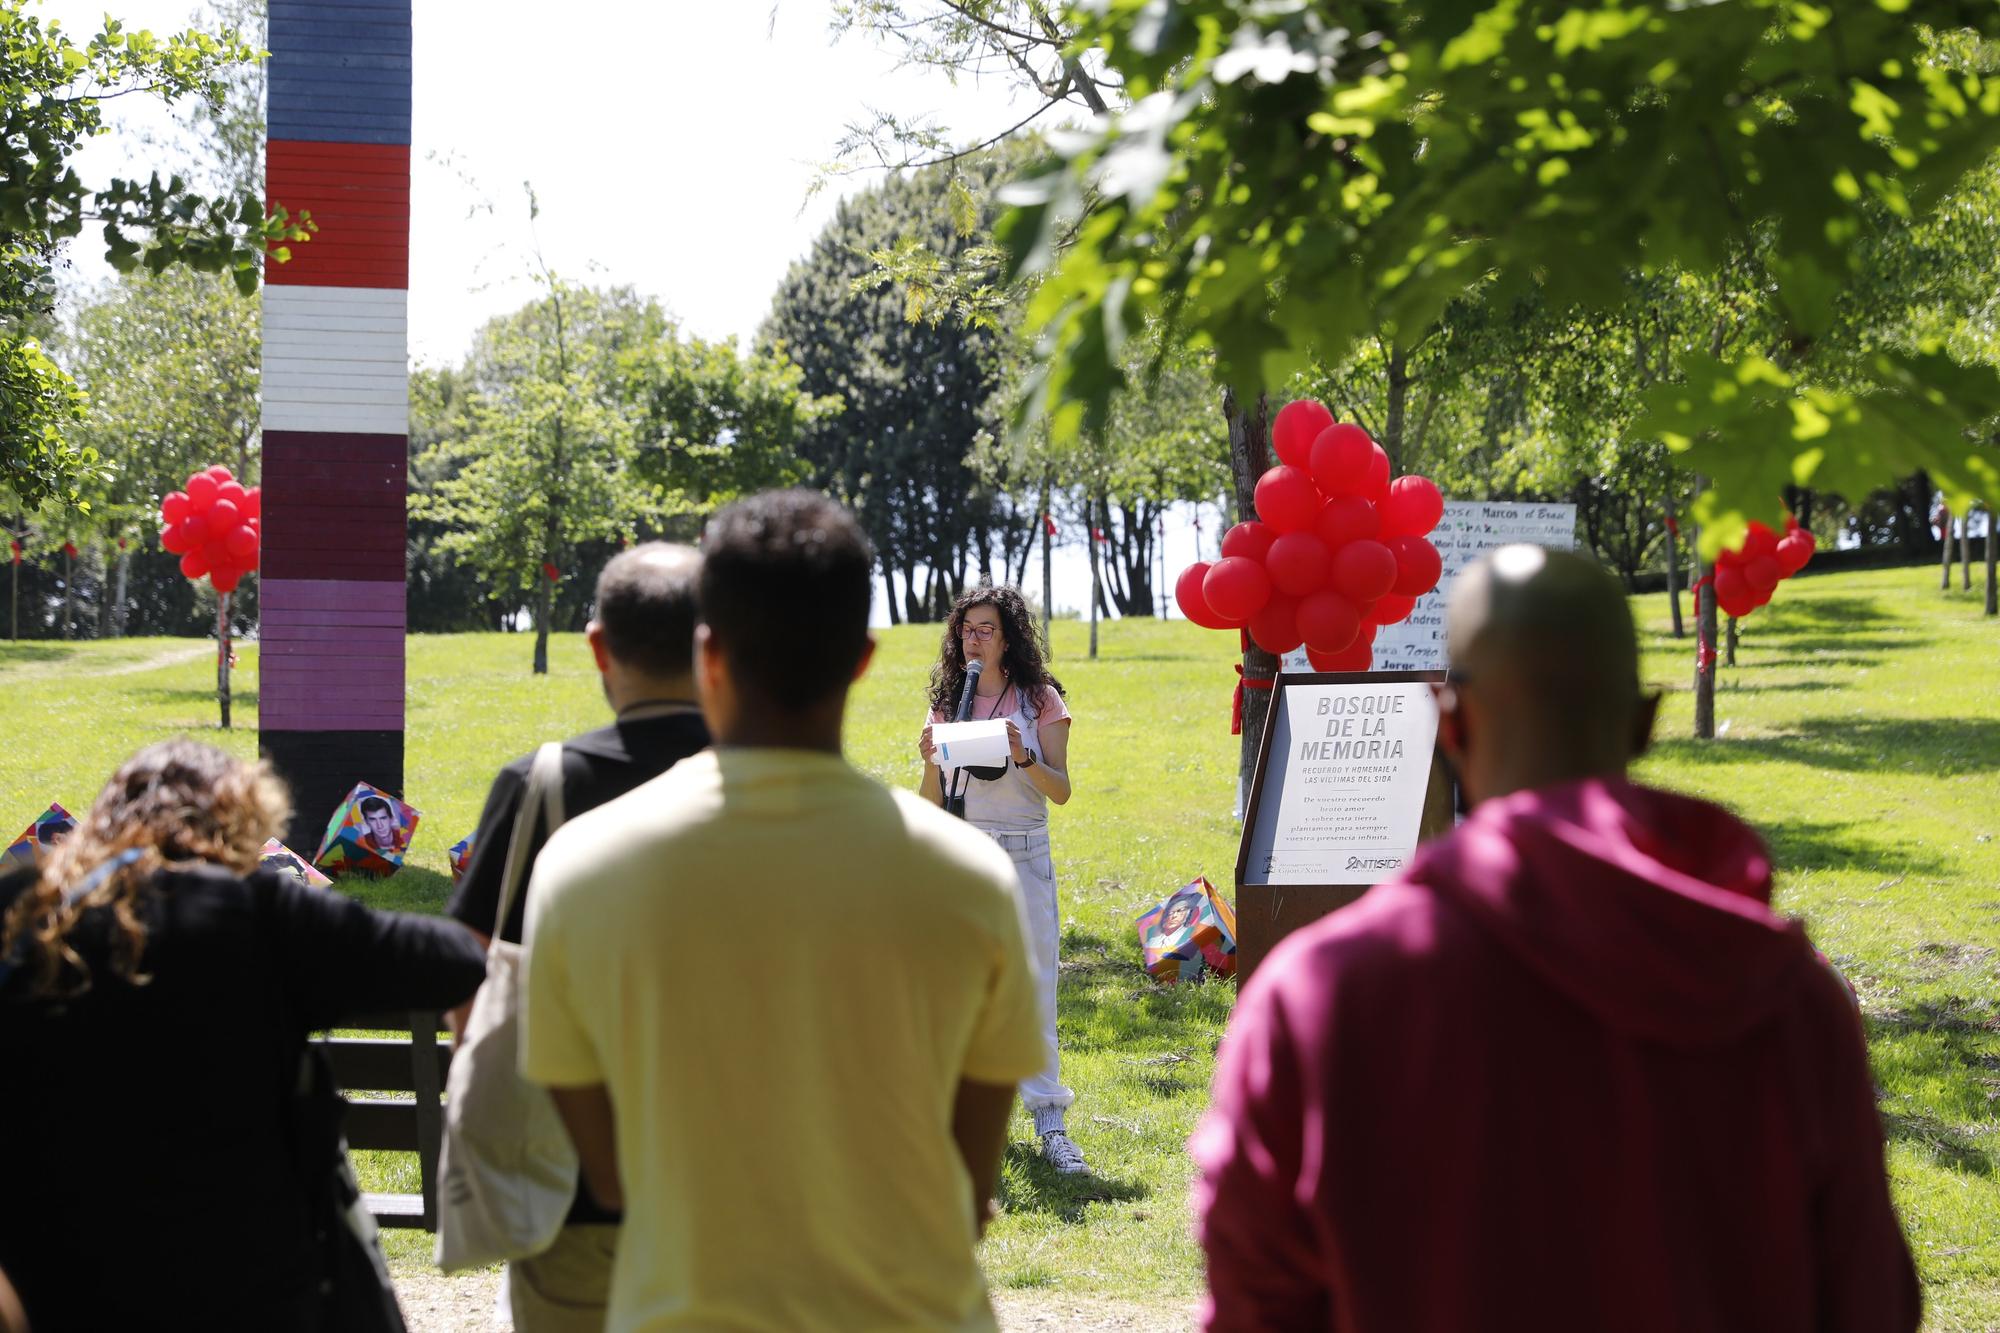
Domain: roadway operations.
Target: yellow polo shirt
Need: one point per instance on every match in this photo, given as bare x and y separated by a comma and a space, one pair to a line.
782, 970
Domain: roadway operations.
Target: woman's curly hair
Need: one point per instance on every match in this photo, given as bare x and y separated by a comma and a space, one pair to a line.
1023, 660
179, 803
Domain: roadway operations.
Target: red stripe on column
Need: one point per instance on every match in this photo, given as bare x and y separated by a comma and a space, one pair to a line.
359, 195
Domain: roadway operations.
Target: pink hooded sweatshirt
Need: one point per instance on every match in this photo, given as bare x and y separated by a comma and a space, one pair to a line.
1568, 1071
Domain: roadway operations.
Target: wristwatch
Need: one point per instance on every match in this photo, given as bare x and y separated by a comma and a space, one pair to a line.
1029, 762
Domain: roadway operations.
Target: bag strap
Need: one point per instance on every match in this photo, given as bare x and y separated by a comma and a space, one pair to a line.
543, 798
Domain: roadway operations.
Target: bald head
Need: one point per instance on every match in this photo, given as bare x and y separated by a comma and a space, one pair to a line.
647, 604
1542, 645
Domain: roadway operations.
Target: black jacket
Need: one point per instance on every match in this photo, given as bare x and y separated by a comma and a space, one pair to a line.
149, 1176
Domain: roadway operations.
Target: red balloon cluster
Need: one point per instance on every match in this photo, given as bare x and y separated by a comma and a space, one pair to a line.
1745, 578
214, 526
1337, 548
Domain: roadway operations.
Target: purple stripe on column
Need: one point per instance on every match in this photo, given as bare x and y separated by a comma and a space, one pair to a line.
331, 655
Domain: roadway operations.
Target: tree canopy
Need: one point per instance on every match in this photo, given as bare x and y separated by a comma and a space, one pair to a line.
1290, 180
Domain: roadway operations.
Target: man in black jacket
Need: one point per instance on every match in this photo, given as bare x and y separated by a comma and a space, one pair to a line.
643, 639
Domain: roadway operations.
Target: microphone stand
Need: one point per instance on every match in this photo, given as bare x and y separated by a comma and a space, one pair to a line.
954, 795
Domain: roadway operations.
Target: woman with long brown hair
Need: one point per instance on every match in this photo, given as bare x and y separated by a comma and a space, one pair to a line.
1010, 802
156, 992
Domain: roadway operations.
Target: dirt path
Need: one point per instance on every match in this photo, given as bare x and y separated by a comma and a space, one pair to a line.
433, 1303
67, 665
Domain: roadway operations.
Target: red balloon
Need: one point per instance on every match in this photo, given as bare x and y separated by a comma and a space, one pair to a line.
1327, 622
173, 539
1378, 477
195, 528
1726, 559
242, 543
1357, 656
1249, 539
1762, 573
1297, 425
1297, 563
201, 489
1363, 570
1739, 606
1730, 585
194, 564
1286, 499
174, 507
1760, 540
1275, 629
1187, 595
220, 472
1392, 609
232, 491
1792, 554
1236, 588
1346, 518
253, 502
1413, 507
1368, 628
225, 578
1340, 458
1418, 566
223, 515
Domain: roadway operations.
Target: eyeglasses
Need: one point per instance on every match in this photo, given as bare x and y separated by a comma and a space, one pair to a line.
983, 633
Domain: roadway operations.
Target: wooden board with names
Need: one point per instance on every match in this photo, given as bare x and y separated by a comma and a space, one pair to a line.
1468, 530
1348, 782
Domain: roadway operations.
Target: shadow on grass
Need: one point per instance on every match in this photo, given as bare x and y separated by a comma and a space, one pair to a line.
1794, 615
159, 694
19, 654
411, 889
1845, 846
1028, 1184
1955, 1045
1936, 747
1726, 686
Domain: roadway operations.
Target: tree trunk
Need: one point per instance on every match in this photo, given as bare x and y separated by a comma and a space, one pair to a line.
1674, 566
889, 588
1729, 643
222, 655
1396, 408
1992, 548
14, 600
69, 588
1096, 573
1048, 579
1944, 547
1249, 458
544, 608
1965, 552
1704, 611
122, 585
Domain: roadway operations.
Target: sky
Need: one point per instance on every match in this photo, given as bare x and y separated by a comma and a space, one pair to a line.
673, 146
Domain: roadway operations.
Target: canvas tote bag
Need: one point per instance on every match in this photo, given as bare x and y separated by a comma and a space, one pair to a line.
507, 1167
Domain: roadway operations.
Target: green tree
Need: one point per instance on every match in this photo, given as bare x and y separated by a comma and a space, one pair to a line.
1290, 179
51, 95
916, 395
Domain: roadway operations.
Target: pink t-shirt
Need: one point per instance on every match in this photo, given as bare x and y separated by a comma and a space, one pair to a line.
1011, 803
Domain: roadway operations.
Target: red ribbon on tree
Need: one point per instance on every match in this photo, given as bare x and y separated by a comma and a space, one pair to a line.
550, 572
1673, 526
1097, 534
1243, 683
15, 547
69, 549
1704, 651
1048, 525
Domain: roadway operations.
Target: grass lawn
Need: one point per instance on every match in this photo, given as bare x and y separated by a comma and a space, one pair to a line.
1863, 738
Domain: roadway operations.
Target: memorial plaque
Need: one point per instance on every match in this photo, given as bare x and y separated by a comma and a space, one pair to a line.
1347, 783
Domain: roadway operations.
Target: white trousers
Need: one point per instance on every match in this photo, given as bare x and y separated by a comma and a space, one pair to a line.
1044, 1095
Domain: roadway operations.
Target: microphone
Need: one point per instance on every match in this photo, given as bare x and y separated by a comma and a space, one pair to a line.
972, 670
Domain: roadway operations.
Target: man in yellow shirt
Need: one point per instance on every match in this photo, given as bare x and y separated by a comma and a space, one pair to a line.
781, 1007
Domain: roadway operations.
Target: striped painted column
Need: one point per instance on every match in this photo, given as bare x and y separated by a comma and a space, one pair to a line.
336, 404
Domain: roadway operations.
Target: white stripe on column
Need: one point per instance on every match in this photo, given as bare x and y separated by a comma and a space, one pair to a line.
336, 359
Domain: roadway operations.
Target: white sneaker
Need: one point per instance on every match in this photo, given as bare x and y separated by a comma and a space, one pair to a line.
1063, 1154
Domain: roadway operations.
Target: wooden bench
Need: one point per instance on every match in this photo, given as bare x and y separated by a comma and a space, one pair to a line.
413, 1067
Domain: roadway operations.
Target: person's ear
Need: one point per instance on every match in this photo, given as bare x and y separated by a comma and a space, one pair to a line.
1644, 717
709, 667
593, 634
867, 656
1451, 725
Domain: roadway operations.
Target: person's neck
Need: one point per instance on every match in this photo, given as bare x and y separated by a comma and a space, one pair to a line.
1547, 772
992, 681
774, 729
638, 691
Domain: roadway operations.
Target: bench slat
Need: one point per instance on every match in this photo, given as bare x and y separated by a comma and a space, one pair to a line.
384, 1126
378, 1064
398, 1210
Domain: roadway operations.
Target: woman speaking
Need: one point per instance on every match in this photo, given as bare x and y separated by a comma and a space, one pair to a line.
1010, 802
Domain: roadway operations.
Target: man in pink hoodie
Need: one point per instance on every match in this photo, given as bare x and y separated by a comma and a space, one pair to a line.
1568, 1070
